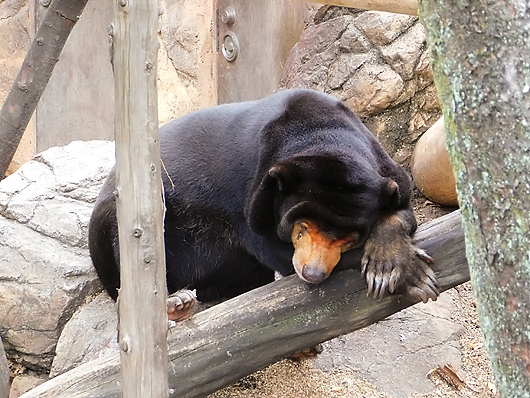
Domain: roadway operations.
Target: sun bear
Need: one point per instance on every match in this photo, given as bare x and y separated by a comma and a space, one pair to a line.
292, 183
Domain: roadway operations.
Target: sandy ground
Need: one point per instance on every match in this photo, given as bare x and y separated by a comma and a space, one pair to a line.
290, 379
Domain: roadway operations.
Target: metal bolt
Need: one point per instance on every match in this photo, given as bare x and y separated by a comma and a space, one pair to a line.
149, 66
229, 16
122, 3
45, 3
137, 232
230, 47
40, 41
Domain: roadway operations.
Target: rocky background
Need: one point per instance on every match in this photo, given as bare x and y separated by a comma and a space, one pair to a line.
378, 63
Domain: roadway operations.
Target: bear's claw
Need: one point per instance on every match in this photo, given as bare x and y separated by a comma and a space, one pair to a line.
180, 305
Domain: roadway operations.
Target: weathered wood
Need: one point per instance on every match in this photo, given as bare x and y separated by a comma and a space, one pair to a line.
142, 297
224, 343
409, 7
34, 75
261, 28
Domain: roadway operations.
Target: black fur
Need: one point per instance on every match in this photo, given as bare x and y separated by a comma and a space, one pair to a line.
241, 174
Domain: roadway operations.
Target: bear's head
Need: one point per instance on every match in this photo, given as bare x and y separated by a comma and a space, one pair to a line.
325, 204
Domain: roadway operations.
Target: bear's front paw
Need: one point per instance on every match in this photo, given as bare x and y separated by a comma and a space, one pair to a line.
180, 305
307, 353
398, 266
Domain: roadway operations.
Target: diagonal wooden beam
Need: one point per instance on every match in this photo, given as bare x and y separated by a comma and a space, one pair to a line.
220, 345
34, 74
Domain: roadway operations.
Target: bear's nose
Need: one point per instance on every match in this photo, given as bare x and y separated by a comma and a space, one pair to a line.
313, 275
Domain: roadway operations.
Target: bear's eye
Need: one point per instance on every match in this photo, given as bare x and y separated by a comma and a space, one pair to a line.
299, 236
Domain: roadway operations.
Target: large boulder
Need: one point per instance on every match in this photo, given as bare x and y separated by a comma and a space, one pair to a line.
90, 334
378, 63
45, 269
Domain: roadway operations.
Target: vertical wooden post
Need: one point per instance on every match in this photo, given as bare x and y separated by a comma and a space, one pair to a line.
142, 298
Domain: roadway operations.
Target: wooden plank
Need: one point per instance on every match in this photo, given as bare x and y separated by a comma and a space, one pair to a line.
143, 295
409, 7
240, 336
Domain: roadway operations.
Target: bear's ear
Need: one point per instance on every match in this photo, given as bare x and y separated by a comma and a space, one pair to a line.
260, 208
390, 195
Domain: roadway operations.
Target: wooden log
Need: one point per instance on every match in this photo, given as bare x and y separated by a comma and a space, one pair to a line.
409, 7
34, 75
240, 336
139, 203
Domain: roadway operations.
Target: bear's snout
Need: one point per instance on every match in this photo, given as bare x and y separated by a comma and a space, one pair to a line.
312, 275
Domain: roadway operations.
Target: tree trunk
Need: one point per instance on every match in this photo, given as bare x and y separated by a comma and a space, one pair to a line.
220, 345
34, 75
4, 372
480, 52
140, 210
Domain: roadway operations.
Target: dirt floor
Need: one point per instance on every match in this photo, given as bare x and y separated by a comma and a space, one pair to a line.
290, 379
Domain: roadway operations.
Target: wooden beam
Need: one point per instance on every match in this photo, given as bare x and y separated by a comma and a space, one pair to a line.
140, 210
409, 7
220, 345
34, 75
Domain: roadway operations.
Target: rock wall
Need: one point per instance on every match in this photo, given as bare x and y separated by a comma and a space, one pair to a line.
378, 63
45, 270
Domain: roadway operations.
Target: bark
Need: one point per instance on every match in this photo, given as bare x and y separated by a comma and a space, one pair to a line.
220, 345
4, 372
480, 52
142, 297
34, 75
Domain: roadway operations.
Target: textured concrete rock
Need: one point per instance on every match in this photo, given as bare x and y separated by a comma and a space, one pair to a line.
383, 27
45, 270
90, 334
396, 354
25, 382
375, 87
378, 64
4, 372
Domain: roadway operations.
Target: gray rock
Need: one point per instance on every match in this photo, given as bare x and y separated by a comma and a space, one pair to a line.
404, 53
4, 372
25, 382
378, 64
45, 270
373, 89
383, 28
90, 334
396, 354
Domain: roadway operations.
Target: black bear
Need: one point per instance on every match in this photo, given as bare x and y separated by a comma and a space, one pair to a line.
290, 183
